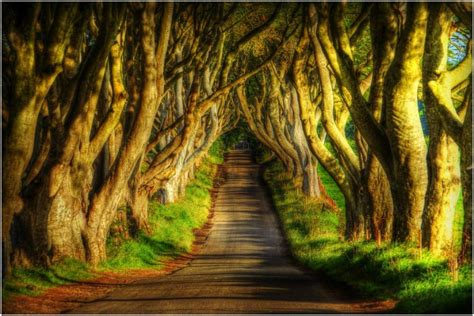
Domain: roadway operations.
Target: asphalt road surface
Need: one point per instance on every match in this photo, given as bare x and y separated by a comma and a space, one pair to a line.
243, 268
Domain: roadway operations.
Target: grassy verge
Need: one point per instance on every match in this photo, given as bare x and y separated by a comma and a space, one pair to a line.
34, 281
422, 285
173, 225
172, 235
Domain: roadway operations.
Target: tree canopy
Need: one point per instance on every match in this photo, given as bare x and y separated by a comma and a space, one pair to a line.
113, 104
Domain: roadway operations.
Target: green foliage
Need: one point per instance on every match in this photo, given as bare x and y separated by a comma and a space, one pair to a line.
34, 280
421, 284
331, 187
216, 152
240, 133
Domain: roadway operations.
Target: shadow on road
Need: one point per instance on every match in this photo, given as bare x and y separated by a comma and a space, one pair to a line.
243, 268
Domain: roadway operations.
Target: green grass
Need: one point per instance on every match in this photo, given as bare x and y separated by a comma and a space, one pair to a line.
172, 235
314, 232
216, 152
172, 224
172, 227
34, 281
331, 187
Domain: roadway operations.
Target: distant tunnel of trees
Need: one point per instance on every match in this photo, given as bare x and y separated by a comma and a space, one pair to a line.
108, 105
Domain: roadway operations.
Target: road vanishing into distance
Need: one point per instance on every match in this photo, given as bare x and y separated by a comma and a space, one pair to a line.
244, 267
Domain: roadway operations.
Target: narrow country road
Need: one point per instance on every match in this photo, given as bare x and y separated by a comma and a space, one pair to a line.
244, 267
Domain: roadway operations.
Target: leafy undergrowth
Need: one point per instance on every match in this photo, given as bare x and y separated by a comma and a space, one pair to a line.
172, 235
420, 284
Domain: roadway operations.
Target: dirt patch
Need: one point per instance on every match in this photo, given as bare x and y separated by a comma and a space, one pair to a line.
70, 296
